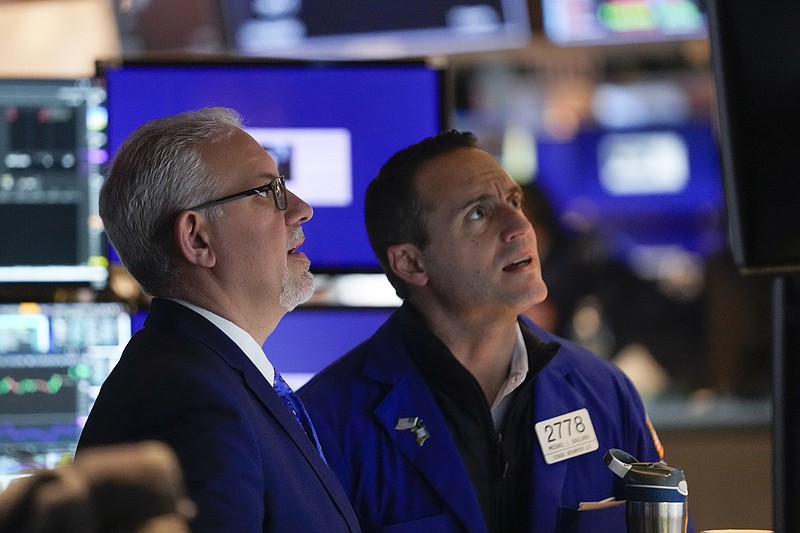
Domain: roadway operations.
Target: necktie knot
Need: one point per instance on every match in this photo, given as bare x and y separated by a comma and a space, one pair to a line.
281, 387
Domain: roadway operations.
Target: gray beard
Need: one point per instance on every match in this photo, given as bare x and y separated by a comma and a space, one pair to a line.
296, 290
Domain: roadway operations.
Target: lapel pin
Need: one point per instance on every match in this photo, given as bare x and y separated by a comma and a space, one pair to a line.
415, 424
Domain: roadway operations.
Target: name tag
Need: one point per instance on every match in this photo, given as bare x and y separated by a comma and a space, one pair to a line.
566, 436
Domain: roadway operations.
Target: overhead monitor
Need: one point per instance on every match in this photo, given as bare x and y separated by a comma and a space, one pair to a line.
52, 147
371, 29
651, 188
754, 48
587, 22
53, 359
330, 126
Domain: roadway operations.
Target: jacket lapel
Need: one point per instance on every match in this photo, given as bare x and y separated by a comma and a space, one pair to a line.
186, 320
255, 381
437, 458
553, 396
548, 398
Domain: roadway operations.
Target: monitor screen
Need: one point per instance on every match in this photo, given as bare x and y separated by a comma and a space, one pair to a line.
373, 29
649, 188
754, 49
52, 147
310, 338
330, 127
53, 359
585, 22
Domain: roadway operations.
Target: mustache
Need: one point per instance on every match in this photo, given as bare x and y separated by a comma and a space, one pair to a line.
296, 237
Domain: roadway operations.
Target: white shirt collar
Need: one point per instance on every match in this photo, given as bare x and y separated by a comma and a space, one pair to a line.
242, 339
516, 375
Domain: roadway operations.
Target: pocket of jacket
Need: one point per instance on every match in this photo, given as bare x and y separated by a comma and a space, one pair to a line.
605, 520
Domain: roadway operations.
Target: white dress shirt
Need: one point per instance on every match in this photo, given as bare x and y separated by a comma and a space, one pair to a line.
242, 339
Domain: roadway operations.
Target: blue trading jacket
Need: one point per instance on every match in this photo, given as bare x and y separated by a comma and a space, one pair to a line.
397, 485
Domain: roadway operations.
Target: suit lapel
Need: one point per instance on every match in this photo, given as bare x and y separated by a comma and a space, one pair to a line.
179, 317
275, 406
186, 320
285, 418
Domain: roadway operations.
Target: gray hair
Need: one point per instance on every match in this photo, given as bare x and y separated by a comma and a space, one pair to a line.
158, 172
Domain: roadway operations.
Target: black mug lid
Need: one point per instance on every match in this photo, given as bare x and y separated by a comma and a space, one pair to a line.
649, 482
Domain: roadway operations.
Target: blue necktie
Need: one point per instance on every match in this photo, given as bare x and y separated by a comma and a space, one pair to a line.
293, 402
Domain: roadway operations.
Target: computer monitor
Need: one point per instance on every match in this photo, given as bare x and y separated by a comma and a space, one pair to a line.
754, 52
651, 189
593, 22
310, 338
330, 126
52, 147
53, 359
373, 29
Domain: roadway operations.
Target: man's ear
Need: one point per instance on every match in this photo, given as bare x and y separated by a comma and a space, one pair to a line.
405, 260
190, 231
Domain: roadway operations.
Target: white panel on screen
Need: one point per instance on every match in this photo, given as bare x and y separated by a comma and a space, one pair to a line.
320, 162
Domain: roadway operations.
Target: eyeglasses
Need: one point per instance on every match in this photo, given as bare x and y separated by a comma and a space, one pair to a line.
277, 186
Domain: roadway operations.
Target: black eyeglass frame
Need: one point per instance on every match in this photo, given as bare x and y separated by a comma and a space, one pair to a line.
277, 186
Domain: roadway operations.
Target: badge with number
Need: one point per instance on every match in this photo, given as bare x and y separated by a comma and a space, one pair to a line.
566, 436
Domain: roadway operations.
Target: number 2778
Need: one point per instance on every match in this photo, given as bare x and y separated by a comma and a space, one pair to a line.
564, 428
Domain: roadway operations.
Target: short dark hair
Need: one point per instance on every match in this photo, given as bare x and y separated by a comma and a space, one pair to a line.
393, 211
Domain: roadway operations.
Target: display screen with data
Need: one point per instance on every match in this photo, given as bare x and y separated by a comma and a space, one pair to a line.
52, 148
53, 359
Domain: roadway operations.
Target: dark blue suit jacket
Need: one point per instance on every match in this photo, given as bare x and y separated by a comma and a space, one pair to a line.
248, 464
397, 485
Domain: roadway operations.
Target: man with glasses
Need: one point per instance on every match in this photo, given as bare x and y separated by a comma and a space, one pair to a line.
459, 414
200, 217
